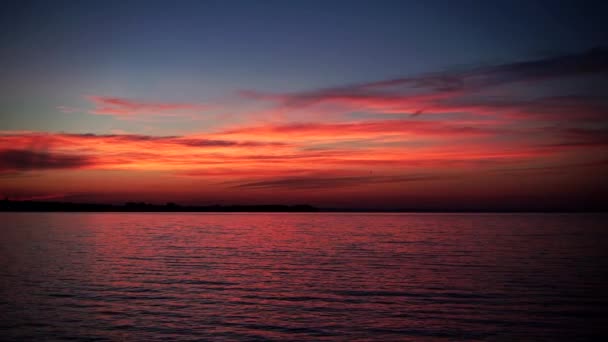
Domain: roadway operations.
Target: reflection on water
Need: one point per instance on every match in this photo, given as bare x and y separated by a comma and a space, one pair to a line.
159, 276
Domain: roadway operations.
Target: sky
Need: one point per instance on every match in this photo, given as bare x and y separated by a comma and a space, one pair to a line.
348, 104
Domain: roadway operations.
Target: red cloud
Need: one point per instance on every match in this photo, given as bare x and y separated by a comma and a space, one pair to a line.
506, 128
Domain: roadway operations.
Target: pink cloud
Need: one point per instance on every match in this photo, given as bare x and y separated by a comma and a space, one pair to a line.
119, 106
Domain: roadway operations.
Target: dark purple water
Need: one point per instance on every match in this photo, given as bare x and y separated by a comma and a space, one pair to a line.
385, 277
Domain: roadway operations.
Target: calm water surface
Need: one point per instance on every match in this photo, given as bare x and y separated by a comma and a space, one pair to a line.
385, 277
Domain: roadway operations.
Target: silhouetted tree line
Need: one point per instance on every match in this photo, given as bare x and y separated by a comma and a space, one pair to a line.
8, 205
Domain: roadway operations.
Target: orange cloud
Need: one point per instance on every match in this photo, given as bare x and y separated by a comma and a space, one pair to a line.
233, 154
363, 129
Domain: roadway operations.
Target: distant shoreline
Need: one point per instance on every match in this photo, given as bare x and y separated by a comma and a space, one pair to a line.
130, 207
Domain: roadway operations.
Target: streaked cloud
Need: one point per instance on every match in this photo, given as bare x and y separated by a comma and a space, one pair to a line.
364, 129
464, 91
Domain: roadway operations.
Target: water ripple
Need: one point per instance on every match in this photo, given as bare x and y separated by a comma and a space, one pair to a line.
321, 277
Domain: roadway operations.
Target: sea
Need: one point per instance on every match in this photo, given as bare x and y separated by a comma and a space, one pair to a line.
303, 277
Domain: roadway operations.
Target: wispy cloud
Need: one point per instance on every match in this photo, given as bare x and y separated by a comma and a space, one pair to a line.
581, 137
555, 168
123, 107
461, 91
320, 182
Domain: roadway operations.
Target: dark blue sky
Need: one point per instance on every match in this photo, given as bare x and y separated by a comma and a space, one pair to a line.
198, 50
274, 43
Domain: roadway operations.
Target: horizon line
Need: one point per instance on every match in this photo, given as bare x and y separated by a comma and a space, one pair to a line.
8, 205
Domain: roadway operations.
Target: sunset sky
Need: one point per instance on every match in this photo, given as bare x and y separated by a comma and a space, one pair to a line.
359, 104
